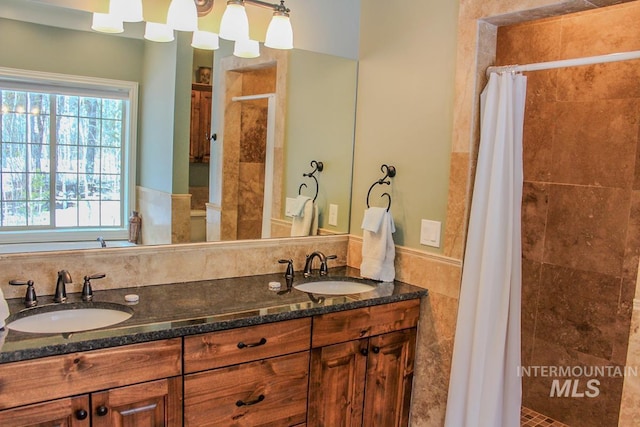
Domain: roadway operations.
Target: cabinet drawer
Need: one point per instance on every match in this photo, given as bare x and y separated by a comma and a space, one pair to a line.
332, 328
76, 373
265, 392
224, 348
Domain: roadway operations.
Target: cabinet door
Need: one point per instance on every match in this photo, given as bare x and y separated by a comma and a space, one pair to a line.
196, 136
336, 386
199, 146
152, 404
70, 412
389, 379
205, 125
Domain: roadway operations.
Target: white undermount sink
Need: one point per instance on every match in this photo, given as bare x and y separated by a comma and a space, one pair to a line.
334, 287
69, 317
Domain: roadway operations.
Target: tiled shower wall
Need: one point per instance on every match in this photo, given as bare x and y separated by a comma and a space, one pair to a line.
581, 204
253, 146
244, 156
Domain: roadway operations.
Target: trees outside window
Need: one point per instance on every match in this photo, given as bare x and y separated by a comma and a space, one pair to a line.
63, 159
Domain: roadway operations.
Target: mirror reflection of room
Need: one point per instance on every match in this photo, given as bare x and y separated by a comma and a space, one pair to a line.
172, 167
199, 142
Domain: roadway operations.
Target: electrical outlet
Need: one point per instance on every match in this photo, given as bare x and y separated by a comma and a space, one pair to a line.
430, 233
333, 214
288, 206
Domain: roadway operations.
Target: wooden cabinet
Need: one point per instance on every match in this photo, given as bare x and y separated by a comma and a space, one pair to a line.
362, 366
70, 412
345, 368
137, 385
250, 376
199, 146
151, 404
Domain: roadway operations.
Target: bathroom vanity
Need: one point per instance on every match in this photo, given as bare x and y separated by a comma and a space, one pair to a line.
221, 352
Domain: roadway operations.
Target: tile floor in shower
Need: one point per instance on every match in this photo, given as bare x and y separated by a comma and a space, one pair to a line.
531, 418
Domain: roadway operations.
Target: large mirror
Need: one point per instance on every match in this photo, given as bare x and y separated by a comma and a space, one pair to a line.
313, 122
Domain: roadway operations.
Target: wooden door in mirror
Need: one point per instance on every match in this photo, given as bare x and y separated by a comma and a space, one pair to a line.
199, 147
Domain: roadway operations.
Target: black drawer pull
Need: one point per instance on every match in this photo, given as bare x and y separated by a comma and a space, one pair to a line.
81, 414
240, 403
364, 351
102, 411
262, 341
375, 349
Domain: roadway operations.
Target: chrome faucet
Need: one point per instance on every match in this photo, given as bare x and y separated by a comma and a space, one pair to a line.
308, 265
61, 291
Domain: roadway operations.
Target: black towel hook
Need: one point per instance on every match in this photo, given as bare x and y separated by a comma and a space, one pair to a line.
389, 172
317, 167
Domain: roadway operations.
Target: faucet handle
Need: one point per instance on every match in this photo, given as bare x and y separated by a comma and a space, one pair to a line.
30, 299
289, 272
324, 268
87, 292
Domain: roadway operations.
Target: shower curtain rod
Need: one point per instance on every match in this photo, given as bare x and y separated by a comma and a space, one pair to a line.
588, 60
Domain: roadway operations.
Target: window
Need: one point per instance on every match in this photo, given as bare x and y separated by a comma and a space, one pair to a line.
66, 156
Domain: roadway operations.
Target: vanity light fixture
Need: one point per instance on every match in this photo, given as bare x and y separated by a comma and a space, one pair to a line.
205, 40
246, 48
183, 15
107, 23
235, 24
279, 33
156, 32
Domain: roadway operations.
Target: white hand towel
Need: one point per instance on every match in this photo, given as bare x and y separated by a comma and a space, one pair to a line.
299, 205
379, 252
373, 219
4, 309
301, 225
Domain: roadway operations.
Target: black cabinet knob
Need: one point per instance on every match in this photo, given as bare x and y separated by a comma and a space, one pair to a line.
81, 414
102, 410
364, 351
375, 349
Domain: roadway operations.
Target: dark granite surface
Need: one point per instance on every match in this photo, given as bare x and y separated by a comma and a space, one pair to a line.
179, 309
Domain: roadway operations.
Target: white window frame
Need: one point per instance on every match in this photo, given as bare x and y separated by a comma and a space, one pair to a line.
48, 82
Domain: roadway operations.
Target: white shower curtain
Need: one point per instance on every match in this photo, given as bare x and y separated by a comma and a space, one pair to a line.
485, 388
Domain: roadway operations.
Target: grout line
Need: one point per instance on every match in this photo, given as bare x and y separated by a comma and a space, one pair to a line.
531, 418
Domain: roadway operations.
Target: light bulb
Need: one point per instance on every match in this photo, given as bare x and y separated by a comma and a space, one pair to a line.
205, 40
234, 24
183, 15
279, 34
158, 32
106, 23
246, 48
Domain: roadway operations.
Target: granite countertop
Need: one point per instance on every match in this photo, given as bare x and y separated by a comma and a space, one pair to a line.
179, 309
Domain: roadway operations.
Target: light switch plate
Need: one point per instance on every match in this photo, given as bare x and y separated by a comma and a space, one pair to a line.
430, 233
288, 207
333, 214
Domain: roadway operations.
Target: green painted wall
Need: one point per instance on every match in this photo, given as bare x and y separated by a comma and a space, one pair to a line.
182, 113
64, 51
321, 92
405, 111
156, 127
